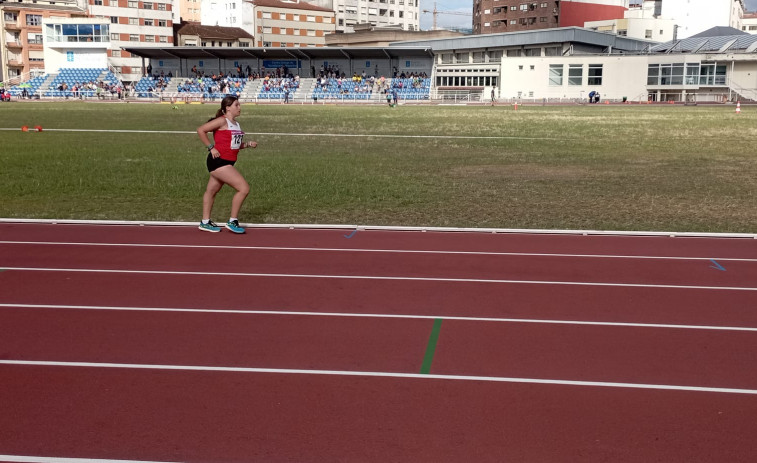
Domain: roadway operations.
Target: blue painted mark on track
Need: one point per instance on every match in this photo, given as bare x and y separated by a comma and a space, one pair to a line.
719, 267
351, 234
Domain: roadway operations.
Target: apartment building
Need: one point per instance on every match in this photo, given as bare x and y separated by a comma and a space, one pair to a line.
187, 11
749, 23
695, 16
378, 13
134, 23
491, 16
21, 37
663, 20
285, 24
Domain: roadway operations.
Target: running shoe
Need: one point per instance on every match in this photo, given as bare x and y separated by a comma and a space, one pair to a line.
210, 227
233, 225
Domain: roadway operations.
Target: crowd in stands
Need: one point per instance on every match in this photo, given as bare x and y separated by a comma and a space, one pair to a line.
100, 89
214, 84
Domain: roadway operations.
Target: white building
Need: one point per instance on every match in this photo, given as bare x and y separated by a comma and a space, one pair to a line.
663, 20
138, 23
228, 13
75, 43
639, 22
381, 13
695, 16
749, 23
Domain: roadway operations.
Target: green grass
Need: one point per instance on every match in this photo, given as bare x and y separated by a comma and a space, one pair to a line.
631, 167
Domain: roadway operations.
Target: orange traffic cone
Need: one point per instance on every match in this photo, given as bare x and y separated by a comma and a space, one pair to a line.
515, 106
24, 128
738, 107
38, 128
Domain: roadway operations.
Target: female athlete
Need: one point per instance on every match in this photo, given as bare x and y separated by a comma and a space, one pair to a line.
222, 154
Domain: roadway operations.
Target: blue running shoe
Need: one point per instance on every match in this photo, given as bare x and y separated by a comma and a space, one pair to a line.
233, 225
210, 227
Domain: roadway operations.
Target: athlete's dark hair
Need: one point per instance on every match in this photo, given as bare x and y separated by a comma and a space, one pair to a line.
227, 101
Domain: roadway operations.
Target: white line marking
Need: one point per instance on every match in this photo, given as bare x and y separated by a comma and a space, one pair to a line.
375, 315
388, 251
379, 374
28, 459
395, 228
295, 134
367, 277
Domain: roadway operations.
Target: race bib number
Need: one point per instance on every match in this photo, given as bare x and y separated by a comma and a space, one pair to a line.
236, 140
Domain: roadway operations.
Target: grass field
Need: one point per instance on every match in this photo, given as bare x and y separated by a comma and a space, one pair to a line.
633, 167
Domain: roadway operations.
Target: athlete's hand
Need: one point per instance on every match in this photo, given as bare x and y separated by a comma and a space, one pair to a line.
215, 153
252, 144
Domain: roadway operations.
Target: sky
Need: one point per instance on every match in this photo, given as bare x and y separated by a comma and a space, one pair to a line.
449, 20
466, 6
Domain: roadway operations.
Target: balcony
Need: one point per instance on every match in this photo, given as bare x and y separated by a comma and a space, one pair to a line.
12, 26
15, 63
16, 45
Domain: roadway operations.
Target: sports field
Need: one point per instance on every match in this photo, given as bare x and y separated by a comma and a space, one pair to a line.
602, 167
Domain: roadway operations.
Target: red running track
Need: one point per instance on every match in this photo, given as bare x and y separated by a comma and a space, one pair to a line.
116, 392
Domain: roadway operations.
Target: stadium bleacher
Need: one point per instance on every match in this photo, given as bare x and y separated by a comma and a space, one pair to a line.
33, 85
349, 90
147, 86
207, 86
412, 88
78, 76
274, 90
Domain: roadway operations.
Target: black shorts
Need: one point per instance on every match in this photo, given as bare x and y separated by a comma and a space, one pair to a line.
215, 163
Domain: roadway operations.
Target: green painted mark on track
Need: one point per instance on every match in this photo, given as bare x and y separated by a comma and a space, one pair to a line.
431, 347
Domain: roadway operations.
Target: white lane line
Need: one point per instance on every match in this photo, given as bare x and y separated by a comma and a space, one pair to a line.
29, 459
388, 251
331, 135
379, 374
376, 315
378, 278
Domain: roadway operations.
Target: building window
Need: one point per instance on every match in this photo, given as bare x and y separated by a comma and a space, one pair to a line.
134, 37
147, 6
149, 38
653, 74
244, 44
648, 34
134, 21
266, 15
115, 37
513, 8
148, 22
575, 74
163, 39
595, 74
133, 4
162, 23
114, 19
33, 20
161, 7
311, 19
98, 2
524, 7
112, 2
115, 53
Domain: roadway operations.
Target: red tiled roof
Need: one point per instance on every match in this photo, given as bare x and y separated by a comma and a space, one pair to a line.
213, 32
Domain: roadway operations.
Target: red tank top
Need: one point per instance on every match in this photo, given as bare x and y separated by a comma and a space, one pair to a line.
228, 141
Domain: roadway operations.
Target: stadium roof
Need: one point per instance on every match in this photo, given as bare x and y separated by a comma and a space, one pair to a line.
707, 42
307, 53
574, 35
